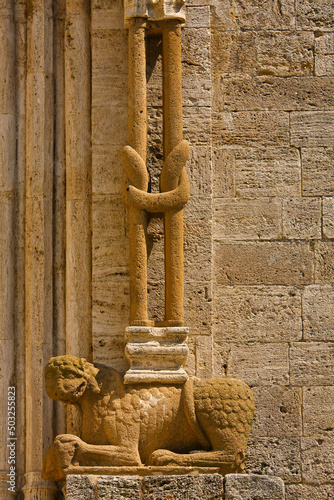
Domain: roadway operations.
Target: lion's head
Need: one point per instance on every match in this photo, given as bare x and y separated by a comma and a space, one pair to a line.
68, 377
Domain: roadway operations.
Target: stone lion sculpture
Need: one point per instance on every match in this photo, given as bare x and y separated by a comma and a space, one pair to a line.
204, 422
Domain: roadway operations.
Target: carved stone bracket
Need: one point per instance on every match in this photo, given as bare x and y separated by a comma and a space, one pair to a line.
154, 10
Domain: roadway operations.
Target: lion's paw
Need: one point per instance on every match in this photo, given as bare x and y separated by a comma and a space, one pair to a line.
163, 458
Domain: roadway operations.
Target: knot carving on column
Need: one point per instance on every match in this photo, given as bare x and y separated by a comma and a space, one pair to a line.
173, 173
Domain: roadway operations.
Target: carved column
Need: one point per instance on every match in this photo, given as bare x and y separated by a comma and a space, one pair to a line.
138, 141
38, 276
7, 175
173, 134
156, 351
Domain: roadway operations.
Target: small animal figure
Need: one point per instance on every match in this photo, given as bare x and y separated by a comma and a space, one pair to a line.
202, 423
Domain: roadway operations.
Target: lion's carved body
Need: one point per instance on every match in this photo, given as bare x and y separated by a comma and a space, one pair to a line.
146, 423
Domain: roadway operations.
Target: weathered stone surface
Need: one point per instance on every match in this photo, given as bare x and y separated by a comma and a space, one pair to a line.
199, 168
267, 314
107, 169
312, 129
311, 364
244, 15
328, 217
200, 359
255, 363
302, 218
198, 16
275, 93
197, 124
109, 347
275, 456
229, 56
223, 165
324, 54
198, 306
109, 236
312, 15
118, 488
308, 492
252, 486
80, 487
318, 411
324, 262
278, 412
263, 262
266, 172
318, 459
285, 53
104, 128
318, 171
247, 219
260, 128
177, 487
318, 313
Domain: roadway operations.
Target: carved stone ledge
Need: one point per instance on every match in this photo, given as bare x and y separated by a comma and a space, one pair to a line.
156, 354
154, 10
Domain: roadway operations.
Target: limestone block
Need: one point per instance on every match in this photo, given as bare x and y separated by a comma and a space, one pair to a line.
229, 56
318, 411
252, 128
111, 303
223, 164
312, 128
198, 306
252, 486
199, 361
199, 168
271, 171
275, 456
318, 314
80, 487
271, 263
313, 15
275, 93
118, 488
109, 348
108, 171
7, 41
196, 86
239, 219
109, 87
197, 217
318, 171
255, 363
107, 15
110, 244
328, 217
244, 15
308, 492
278, 412
198, 16
208, 486
324, 54
110, 51
302, 218
318, 459
324, 257
312, 364
109, 125
197, 258
285, 53
197, 124
267, 314
196, 46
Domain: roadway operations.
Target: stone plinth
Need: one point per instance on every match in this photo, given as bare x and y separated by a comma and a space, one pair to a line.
176, 487
251, 486
156, 354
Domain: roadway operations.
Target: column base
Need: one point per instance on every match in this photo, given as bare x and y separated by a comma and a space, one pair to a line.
156, 354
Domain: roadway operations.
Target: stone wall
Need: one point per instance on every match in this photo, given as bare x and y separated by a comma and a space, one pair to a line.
258, 112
